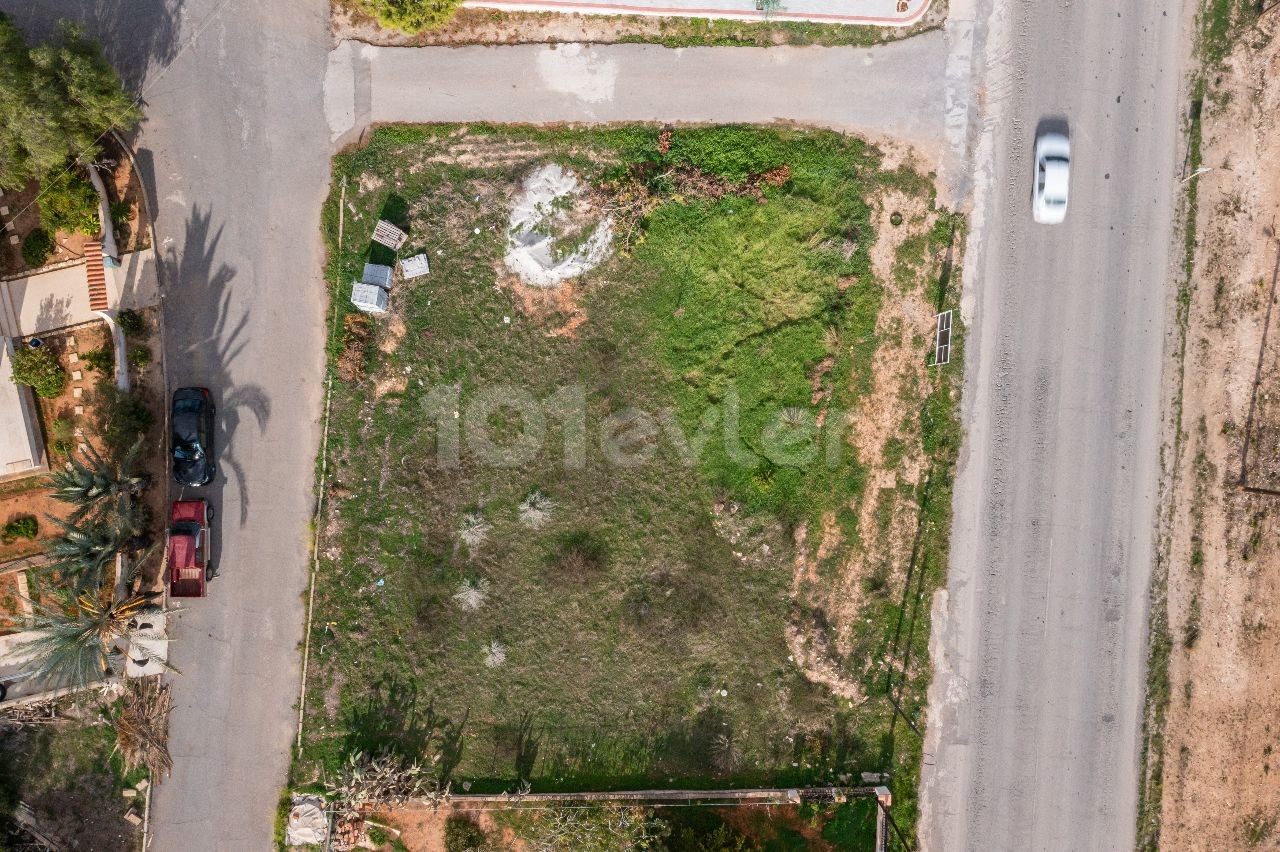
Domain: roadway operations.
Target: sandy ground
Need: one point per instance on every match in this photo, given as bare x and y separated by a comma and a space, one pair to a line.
1221, 778
489, 26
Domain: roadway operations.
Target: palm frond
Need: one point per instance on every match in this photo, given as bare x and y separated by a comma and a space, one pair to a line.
75, 650
84, 550
99, 487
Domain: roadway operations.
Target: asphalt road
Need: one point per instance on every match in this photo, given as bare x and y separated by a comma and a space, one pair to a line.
1040, 648
236, 149
894, 91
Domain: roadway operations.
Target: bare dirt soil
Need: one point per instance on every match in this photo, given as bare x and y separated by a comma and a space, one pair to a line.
1221, 781
490, 26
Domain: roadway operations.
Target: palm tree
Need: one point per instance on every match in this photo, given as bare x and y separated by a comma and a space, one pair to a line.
98, 486
75, 650
84, 550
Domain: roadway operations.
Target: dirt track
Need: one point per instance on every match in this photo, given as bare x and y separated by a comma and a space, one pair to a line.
1220, 789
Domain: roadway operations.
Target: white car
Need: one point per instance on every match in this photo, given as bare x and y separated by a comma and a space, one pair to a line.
1053, 174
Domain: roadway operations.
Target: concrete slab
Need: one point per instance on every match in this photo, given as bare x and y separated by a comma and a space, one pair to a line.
21, 448
890, 91
60, 297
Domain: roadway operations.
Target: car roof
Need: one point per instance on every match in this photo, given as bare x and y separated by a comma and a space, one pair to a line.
182, 551
187, 510
1056, 178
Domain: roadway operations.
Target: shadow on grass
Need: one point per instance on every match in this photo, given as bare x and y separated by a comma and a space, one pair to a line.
391, 721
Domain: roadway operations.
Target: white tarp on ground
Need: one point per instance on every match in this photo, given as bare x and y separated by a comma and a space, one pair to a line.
308, 825
148, 650
538, 210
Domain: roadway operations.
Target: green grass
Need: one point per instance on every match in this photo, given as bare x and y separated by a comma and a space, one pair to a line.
643, 624
72, 777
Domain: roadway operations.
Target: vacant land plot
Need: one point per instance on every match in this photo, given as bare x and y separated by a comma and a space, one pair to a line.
667, 523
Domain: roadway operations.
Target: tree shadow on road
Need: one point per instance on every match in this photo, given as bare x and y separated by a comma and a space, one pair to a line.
139, 37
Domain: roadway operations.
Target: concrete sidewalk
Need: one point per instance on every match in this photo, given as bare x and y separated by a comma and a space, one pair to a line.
60, 297
894, 91
880, 13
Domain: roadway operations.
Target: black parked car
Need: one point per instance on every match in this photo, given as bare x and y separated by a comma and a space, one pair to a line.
192, 436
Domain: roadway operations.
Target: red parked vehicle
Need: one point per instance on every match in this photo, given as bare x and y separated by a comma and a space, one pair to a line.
186, 552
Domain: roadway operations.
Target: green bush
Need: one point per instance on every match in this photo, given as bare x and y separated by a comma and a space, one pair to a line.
39, 370
56, 101
68, 203
62, 435
120, 417
461, 834
133, 323
139, 357
102, 359
412, 16
25, 527
38, 247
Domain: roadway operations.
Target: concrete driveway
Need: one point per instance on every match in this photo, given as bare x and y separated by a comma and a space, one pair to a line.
1039, 652
236, 150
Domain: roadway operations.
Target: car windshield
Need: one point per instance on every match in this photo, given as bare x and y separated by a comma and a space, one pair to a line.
188, 406
187, 452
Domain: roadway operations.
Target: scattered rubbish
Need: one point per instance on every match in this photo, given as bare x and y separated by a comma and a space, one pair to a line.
308, 825
415, 267
389, 235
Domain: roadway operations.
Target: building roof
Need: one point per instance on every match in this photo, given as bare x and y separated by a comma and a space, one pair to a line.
21, 449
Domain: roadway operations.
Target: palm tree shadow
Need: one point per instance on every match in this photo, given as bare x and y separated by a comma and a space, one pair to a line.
205, 337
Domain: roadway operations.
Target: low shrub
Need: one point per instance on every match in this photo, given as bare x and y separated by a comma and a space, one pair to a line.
356, 331
69, 203
412, 16
120, 417
24, 527
62, 436
139, 357
102, 359
39, 370
38, 247
461, 834
578, 552
133, 323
